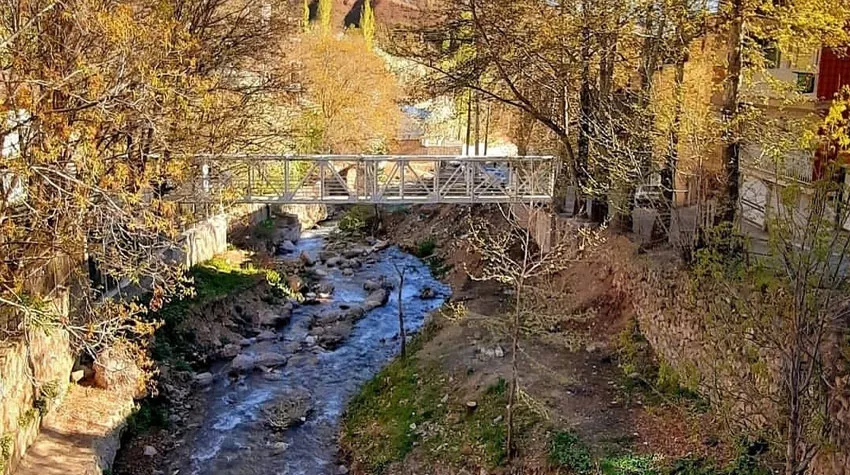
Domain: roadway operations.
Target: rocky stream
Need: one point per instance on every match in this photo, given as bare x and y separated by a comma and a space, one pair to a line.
275, 407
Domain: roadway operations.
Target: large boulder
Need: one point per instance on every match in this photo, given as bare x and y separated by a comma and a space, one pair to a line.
354, 252
289, 410
115, 369
244, 362
274, 318
286, 247
376, 299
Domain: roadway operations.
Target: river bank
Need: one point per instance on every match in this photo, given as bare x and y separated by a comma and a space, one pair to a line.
288, 353
594, 397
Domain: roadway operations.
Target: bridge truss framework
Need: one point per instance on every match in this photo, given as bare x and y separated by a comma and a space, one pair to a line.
373, 179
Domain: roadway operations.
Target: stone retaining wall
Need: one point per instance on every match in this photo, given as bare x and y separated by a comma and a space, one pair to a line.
46, 362
672, 320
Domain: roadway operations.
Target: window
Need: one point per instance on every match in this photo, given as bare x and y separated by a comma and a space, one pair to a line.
772, 56
805, 83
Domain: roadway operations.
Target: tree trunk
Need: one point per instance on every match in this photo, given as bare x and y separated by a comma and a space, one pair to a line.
731, 109
668, 174
468, 121
585, 120
512, 390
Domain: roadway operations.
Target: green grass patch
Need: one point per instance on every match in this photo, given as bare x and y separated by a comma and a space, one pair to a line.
631, 464
567, 450
425, 248
382, 420
357, 219
264, 230
402, 407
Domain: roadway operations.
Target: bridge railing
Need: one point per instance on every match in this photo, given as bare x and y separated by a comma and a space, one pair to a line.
380, 179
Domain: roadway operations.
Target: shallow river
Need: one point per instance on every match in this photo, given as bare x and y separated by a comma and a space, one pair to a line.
232, 439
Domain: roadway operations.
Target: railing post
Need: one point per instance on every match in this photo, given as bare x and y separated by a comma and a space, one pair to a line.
401, 178
437, 168
286, 177
321, 180
250, 181
469, 175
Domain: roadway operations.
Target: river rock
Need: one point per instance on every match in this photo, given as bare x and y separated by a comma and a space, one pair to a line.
270, 360
230, 350
335, 261
372, 284
290, 409
334, 334
376, 299
244, 363
352, 253
306, 259
320, 273
427, 293
266, 336
348, 272
150, 451
286, 247
380, 245
271, 318
204, 379
273, 376
290, 230
324, 256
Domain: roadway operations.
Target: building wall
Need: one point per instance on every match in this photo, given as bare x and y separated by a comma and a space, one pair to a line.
834, 73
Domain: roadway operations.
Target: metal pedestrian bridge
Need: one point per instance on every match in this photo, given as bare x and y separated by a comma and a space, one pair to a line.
373, 179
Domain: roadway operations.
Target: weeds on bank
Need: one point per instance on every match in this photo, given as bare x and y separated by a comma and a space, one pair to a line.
150, 414
406, 406
425, 250
212, 279
654, 380
568, 451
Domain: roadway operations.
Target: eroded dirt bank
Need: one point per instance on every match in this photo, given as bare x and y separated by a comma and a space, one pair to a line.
594, 397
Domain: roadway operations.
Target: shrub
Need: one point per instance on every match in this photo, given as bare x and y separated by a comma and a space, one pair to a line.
425, 248
356, 220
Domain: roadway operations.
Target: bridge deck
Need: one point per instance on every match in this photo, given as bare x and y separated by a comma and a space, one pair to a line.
384, 179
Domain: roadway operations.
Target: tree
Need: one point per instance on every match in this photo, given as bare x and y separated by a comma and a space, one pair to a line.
785, 318
367, 24
351, 97
105, 103
510, 255
754, 30
402, 334
325, 13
